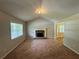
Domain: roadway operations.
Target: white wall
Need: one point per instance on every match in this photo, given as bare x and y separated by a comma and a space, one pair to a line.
42, 24
6, 44
71, 33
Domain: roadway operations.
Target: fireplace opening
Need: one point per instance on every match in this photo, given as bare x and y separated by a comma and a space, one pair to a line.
40, 33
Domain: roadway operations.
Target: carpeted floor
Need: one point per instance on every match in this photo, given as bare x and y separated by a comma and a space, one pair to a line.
42, 49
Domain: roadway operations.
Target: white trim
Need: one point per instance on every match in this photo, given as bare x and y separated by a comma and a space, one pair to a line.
71, 49
10, 50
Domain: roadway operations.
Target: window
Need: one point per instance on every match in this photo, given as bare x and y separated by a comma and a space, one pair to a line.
61, 28
16, 30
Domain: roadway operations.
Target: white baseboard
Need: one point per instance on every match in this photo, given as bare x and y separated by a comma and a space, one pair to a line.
71, 49
10, 50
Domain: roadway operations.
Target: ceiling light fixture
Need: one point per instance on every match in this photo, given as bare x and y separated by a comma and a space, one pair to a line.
40, 10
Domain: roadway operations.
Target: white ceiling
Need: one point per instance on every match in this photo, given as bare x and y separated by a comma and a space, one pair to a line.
25, 9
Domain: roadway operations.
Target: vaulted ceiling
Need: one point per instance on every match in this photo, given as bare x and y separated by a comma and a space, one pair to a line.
25, 9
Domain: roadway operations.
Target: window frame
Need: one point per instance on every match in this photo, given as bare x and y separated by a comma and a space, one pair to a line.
16, 30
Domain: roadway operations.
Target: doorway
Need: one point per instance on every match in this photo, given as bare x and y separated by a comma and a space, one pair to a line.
60, 31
